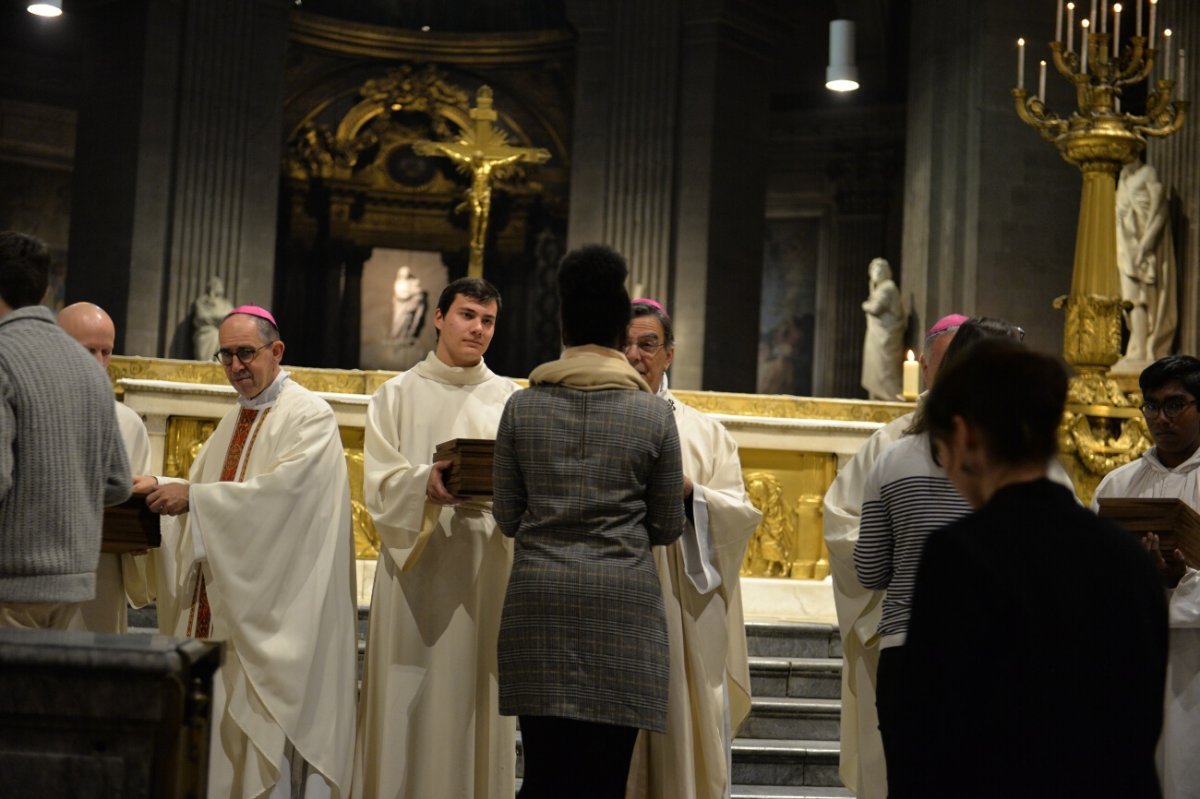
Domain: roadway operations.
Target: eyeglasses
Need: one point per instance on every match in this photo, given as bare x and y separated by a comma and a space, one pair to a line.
244, 354
1170, 407
647, 346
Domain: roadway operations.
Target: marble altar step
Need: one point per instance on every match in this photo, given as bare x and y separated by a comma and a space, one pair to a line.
789, 792
771, 763
815, 678
788, 717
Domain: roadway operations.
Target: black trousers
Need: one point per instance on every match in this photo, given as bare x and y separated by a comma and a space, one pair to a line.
576, 759
889, 687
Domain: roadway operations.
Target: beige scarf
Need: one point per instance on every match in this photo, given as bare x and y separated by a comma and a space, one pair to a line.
589, 368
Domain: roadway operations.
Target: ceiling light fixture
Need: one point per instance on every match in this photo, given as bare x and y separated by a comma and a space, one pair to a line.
841, 75
46, 8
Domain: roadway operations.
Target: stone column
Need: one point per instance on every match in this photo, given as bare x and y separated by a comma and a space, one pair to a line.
177, 161
672, 102
990, 208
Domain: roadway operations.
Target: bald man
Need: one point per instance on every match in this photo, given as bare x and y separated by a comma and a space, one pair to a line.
120, 579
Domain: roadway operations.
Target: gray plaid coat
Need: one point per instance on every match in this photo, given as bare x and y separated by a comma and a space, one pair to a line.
586, 481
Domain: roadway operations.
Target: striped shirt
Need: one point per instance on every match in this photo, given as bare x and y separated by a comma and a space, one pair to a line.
906, 497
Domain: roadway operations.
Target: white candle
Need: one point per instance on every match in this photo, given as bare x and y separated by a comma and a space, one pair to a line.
1116, 30
1084, 46
1070, 27
1058, 22
1181, 72
1020, 63
1138, 16
1166, 64
1092, 16
1104, 16
1153, 10
912, 373
1042, 80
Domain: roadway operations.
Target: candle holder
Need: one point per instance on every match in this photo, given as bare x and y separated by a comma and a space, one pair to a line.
1103, 428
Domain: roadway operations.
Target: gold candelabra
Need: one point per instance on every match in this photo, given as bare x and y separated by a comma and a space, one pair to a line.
1103, 428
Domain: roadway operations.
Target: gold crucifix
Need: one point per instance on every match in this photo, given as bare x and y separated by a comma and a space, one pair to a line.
484, 153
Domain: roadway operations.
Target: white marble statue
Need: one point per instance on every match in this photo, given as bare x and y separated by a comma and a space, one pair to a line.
884, 344
408, 307
1146, 261
207, 312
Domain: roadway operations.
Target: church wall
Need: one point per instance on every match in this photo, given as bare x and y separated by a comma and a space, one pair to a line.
1177, 160
990, 208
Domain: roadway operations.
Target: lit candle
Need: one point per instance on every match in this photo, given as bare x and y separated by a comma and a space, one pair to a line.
912, 373
1020, 63
1058, 22
1153, 11
1084, 46
1116, 29
1138, 15
1042, 80
1167, 54
1070, 27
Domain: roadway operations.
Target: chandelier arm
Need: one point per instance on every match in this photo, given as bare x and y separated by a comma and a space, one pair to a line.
1063, 61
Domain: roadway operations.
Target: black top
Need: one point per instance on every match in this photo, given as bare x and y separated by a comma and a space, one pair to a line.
1036, 656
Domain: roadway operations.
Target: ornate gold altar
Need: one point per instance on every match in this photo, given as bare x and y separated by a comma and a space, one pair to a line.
790, 446
1103, 428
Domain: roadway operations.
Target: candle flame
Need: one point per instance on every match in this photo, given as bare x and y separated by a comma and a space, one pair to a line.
1042, 63
1085, 23
1071, 6
911, 357
1167, 32
1116, 8
1020, 42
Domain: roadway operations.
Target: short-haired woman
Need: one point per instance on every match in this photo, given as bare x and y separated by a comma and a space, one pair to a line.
1036, 647
587, 477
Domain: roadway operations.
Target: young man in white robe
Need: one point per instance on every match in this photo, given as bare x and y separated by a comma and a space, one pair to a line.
429, 722
261, 557
709, 694
1171, 468
121, 580
862, 767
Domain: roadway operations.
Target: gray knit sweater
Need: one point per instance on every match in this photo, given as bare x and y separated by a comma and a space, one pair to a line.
61, 461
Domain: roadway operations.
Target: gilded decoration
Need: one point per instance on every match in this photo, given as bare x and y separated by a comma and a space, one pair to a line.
1102, 428
789, 541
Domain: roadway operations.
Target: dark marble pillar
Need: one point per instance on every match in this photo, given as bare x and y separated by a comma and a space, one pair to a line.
990, 207
177, 161
669, 167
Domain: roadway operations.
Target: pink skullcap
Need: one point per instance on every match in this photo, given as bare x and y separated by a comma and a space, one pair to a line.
946, 323
254, 310
653, 304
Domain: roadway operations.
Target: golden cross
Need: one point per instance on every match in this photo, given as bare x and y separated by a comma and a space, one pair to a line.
484, 153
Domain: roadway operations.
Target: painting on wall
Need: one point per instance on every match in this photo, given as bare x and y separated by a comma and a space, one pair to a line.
785, 349
400, 290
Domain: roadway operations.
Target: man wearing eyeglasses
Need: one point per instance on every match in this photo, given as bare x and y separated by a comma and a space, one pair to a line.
1171, 468
259, 555
709, 693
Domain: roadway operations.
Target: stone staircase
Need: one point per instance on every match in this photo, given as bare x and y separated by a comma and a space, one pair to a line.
788, 748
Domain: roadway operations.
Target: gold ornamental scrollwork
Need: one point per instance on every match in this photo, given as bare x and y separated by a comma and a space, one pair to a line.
1093, 445
1092, 330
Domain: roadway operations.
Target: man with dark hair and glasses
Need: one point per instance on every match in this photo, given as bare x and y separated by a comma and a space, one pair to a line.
1170, 387
257, 553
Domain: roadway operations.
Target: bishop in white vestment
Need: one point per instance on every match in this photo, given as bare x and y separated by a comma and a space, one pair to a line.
429, 723
262, 559
709, 694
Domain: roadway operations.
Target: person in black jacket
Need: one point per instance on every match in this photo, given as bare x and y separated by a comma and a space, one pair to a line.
1038, 639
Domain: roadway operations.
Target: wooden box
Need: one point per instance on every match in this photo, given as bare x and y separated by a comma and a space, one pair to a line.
470, 472
1173, 520
130, 527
